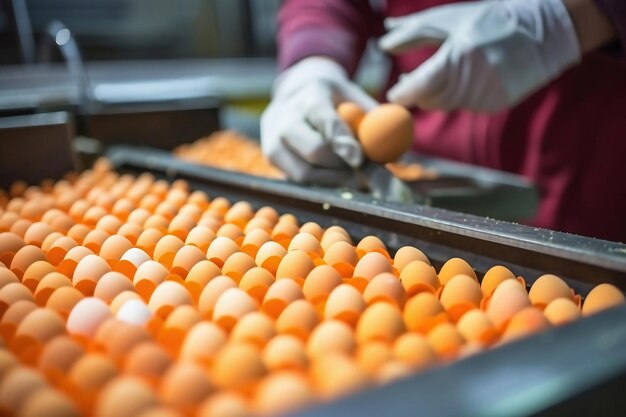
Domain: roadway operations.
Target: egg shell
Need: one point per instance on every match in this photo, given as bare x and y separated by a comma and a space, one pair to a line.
256, 281
167, 296
238, 367
199, 275
320, 282
424, 311
221, 249
123, 207
506, 301
454, 267
14, 316
602, 297
95, 239
114, 248
184, 260
24, 257
299, 318
332, 237
268, 213
148, 239
135, 312
380, 321
20, 226
130, 261
494, 277
78, 209
461, 294
307, 243
130, 231
73, 256
175, 327
385, 287
418, 276
373, 355
212, 292
525, 322
344, 303
89, 374
231, 306
381, 123
407, 254
78, 232
336, 375
35, 273
255, 328
231, 231
181, 225
88, 272
201, 344
36, 233
224, 404
148, 277
59, 249
295, 265
7, 277
12, 293
285, 352
270, 255
87, 316
562, 311
253, 240
50, 403
370, 265
37, 328
201, 237
237, 265
58, 356
49, 241
414, 350
159, 222
124, 396
211, 221
6, 221
7, 362
166, 249
63, 299
10, 244
331, 336
279, 295
371, 244
445, 340
282, 392
161, 411
199, 199
548, 288
110, 285
313, 229
191, 210
239, 213
283, 232
185, 386
109, 223
476, 327
351, 114
167, 209
17, 386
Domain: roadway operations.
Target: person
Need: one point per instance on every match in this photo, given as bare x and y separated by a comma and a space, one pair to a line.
533, 87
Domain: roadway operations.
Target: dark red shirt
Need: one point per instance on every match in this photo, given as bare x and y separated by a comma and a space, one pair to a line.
569, 137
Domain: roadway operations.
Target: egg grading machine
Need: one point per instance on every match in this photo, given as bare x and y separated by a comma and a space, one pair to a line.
577, 369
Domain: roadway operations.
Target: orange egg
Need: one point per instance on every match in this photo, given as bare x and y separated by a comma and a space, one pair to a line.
562, 311
114, 248
526, 321
385, 287
37, 233
12, 293
268, 213
255, 328
284, 231
10, 244
78, 232
371, 244
48, 402
78, 209
295, 265
185, 386
130, 231
124, 396
413, 349
59, 249
20, 227
167, 209
221, 249
37, 328
445, 340
548, 288
256, 281
176, 326
307, 243
231, 306
63, 299
88, 272
7, 277
123, 207
280, 294
167, 296
17, 386
253, 240
418, 276
7, 219
336, 374
199, 275
69, 263
270, 255
238, 367
299, 318
14, 316
211, 221
181, 225
35, 273
239, 213
454, 267
351, 114
95, 239
24, 257
184, 260
475, 326
121, 338
237, 265
344, 303
231, 231
148, 276
201, 237
7, 362
424, 311
282, 392
331, 336
148, 239
191, 210
110, 285
313, 229
109, 224
166, 249
407, 254
380, 321
224, 404
461, 294
319, 283
212, 292
602, 297
202, 343
285, 352
493, 278
89, 373
370, 265
58, 356
373, 355
147, 360
384, 122
87, 316
506, 301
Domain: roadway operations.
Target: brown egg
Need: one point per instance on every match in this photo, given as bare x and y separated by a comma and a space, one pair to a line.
185, 386
231, 231
384, 122
6, 221
161, 411
48, 402
253, 240
380, 321
285, 352
295, 265
424, 311
181, 225
307, 243
373, 355
114, 248
239, 213
130, 231
201, 237
562, 311
59, 249
212, 292
279, 295
224, 404
157, 221
78, 232
319, 283
475, 326
149, 275
548, 288
121, 299
110, 285
35, 273
331, 237
407, 254
167, 209
184, 260
221, 249
167, 296
78, 209
37, 328
331, 336
445, 340
123, 207
58, 356
526, 321
493, 278
351, 114
176, 326
148, 239
124, 396
87, 273
255, 328
282, 392
69, 263
17, 386
199, 276
237, 265
20, 227
256, 281
506, 301
283, 232
268, 213
602, 297
7, 277
461, 294
25, 257
299, 319
63, 299
14, 316
166, 249
10, 244
413, 349
109, 224
371, 244
336, 375
313, 229
454, 267
202, 343
344, 303
231, 306
385, 287
418, 276
238, 367
49, 241
12, 293
7, 363
370, 265
270, 255
130, 261
37, 233
211, 221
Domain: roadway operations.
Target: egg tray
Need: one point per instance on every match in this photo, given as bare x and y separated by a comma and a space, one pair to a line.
579, 369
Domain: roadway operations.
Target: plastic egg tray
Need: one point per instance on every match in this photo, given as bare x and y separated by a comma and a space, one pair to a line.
127, 295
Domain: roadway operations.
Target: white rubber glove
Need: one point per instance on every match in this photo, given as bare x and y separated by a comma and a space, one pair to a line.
493, 53
301, 132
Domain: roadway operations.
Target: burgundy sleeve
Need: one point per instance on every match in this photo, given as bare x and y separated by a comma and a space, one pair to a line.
615, 10
338, 29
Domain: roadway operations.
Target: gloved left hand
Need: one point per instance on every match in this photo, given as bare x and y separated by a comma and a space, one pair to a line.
493, 53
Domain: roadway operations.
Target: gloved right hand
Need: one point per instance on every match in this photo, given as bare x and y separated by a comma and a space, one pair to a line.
301, 132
